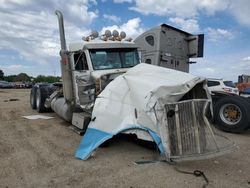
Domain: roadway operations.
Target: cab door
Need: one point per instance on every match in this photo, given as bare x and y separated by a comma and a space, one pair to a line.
84, 88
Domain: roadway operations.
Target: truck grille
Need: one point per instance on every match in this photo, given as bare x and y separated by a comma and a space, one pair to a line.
190, 135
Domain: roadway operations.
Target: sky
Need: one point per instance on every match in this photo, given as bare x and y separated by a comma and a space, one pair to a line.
29, 37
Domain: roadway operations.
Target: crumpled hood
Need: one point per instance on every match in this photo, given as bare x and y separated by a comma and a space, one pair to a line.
139, 88
127, 102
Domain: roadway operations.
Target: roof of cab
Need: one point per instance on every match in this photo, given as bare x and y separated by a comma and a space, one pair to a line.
100, 44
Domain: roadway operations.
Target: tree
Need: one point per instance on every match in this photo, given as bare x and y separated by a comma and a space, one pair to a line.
10, 78
1, 74
49, 79
22, 77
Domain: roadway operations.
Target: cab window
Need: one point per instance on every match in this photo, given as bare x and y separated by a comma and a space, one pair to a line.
114, 58
80, 61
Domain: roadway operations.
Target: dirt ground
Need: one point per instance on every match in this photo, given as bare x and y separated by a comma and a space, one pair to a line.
40, 153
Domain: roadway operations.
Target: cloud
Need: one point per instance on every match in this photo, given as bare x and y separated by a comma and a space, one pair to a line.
20, 32
242, 67
123, 1
79, 10
76, 10
192, 8
246, 58
240, 10
10, 4
215, 35
227, 66
190, 25
205, 68
133, 28
185, 9
33, 33
209, 70
6, 57
112, 18
13, 69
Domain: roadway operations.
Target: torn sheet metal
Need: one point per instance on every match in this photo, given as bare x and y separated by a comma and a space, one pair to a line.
33, 117
133, 103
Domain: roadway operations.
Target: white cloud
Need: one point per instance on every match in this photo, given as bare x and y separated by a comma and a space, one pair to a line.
132, 28
215, 35
112, 18
123, 1
240, 10
246, 58
212, 6
78, 9
34, 34
190, 25
13, 3
192, 8
181, 8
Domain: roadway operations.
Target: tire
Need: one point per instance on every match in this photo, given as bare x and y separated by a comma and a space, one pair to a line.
230, 114
40, 99
33, 98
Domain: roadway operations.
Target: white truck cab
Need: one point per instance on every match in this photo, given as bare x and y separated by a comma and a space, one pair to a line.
97, 62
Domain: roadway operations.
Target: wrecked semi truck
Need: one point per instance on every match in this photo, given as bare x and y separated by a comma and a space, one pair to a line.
105, 91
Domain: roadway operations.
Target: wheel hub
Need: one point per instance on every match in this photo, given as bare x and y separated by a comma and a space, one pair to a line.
230, 114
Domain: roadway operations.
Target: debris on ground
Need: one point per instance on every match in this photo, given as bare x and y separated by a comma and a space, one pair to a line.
11, 100
33, 117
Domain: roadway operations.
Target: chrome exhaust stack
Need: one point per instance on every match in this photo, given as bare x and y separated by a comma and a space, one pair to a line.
61, 30
66, 68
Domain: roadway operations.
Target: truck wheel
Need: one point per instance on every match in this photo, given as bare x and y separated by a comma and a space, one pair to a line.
33, 97
40, 100
230, 114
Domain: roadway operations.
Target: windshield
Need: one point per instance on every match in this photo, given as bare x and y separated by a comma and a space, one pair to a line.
114, 58
229, 84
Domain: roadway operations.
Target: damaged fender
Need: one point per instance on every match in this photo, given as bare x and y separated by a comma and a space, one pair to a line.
139, 102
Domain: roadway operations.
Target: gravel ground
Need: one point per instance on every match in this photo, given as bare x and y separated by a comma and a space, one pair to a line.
40, 153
